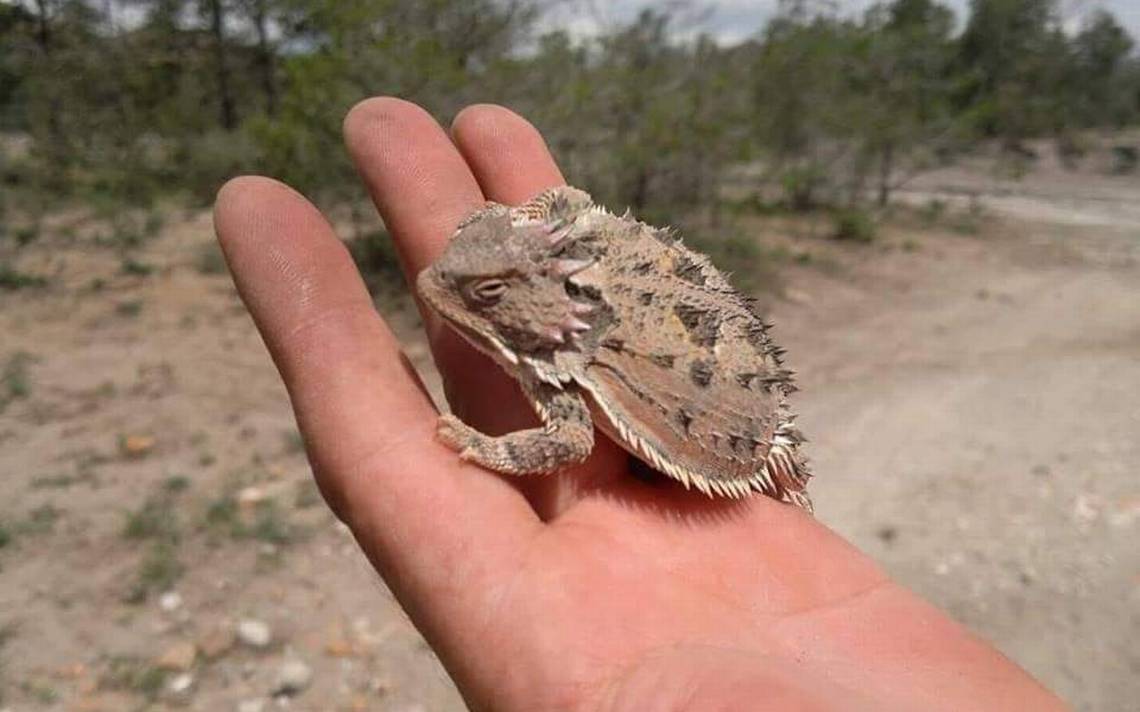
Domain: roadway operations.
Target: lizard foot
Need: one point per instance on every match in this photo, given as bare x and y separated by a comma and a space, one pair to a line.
457, 435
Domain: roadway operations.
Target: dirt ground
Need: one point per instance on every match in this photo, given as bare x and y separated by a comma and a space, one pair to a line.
971, 389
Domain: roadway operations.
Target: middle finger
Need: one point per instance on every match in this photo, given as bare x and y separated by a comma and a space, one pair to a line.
423, 188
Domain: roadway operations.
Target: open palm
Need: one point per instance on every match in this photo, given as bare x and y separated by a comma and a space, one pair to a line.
591, 589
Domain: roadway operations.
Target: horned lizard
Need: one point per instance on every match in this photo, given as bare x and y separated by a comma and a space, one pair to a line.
606, 320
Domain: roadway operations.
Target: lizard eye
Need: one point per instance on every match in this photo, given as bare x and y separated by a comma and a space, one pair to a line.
489, 291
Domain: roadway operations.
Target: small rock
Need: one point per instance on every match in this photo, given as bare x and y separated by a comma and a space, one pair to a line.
1126, 513
180, 684
254, 633
170, 601
251, 706
359, 703
178, 658
339, 646
77, 671
293, 677
137, 445
249, 497
216, 643
1086, 509
887, 534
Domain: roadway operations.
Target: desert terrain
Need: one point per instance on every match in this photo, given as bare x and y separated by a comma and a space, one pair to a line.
970, 384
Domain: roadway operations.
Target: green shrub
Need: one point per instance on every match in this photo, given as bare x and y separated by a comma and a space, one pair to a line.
15, 380
266, 522
12, 279
853, 225
131, 308
158, 571
41, 520
209, 259
135, 267
26, 235
969, 221
933, 211
156, 519
204, 162
1125, 159
156, 522
133, 674
801, 186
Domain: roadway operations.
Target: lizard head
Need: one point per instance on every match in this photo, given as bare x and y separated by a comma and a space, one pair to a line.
504, 286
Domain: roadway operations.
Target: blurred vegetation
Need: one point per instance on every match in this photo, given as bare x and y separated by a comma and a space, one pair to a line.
15, 379
156, 525
117, 104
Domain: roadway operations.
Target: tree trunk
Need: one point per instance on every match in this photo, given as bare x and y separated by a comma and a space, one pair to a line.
886, 168
640, 190
55, 105
43, 28
266, 57
225, 96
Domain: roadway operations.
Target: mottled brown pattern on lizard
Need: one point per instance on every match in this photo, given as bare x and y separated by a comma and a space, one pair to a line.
606, 318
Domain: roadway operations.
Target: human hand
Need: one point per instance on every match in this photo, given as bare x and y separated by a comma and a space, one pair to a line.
588, 590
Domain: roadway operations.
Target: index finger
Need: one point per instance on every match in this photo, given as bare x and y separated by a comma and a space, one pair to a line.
441, 533
423, 188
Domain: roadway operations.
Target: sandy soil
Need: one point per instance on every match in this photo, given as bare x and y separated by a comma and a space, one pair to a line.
972, 402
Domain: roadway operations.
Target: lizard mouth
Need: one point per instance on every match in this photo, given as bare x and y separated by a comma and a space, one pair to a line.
480, 341
428, 288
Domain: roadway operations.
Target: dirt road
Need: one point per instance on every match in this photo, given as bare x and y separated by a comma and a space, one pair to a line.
976, 424
972, 401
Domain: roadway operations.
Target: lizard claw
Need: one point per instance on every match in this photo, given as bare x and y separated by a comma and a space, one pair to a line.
467, 454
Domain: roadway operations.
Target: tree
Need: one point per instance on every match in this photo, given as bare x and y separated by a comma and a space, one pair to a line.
259, 14
215, 11
59, 84
16, 29
1013, 55
435, 52
645, 114
1101, 52
902, 78
801, 98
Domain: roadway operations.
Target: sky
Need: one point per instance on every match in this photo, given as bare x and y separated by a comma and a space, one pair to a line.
733, 20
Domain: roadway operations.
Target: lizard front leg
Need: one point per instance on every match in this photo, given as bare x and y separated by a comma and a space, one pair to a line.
566, 438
